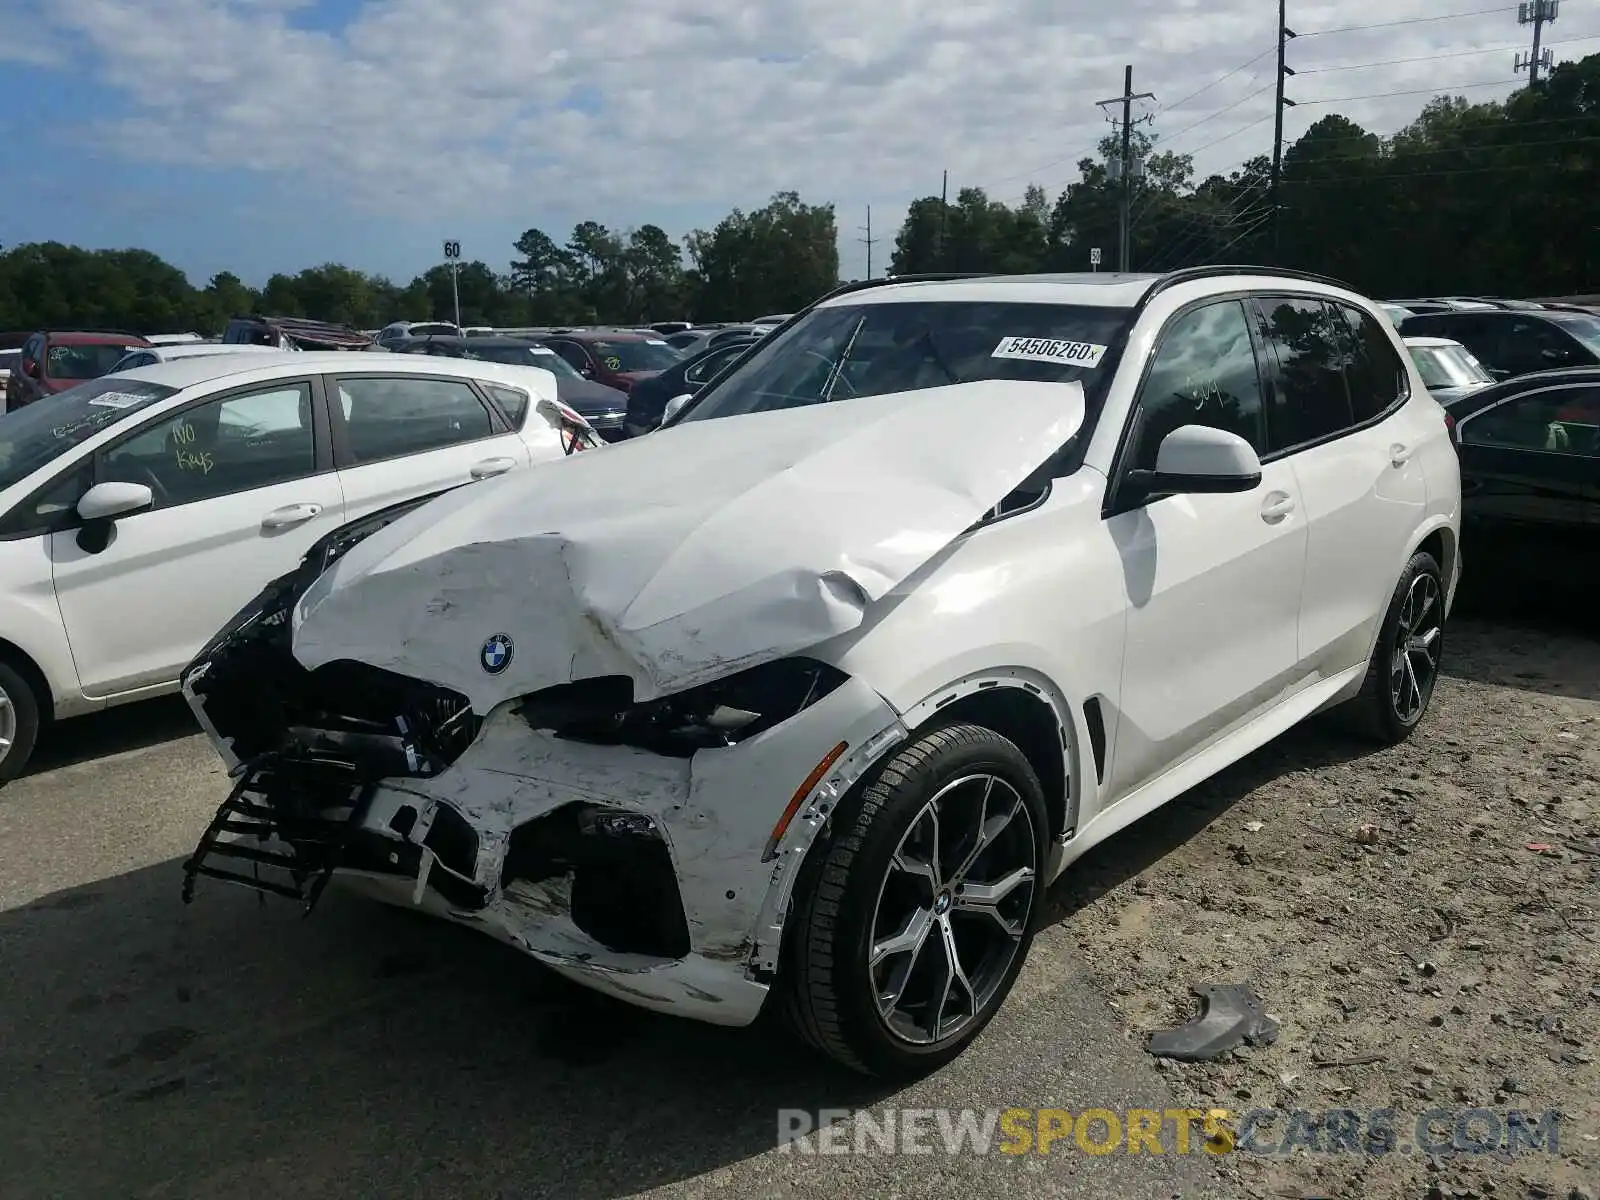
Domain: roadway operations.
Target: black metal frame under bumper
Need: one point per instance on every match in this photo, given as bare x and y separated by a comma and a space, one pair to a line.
318, 845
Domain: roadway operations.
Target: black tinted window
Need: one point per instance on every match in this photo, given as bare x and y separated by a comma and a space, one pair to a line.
1374, 372
1310, 342
1204, 373
385, 418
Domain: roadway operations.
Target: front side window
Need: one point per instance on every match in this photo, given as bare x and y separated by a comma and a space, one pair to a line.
1312, 349
843, 351
1204, 373
235, 444
717, 360
1558, 420
39, 434
385, 418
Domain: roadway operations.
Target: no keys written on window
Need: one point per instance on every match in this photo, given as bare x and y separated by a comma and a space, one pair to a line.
190, 459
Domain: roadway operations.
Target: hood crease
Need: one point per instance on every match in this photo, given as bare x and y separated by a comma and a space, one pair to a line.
689, 554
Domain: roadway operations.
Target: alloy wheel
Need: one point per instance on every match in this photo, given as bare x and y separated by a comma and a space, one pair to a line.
953, 909
1418, 642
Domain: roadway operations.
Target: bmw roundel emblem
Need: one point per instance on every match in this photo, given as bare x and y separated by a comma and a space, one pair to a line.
496, 653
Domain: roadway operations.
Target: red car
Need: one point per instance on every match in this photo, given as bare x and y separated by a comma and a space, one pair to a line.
617, 360
54, 362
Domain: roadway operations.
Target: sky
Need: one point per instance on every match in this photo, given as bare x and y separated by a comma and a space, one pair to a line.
269, 135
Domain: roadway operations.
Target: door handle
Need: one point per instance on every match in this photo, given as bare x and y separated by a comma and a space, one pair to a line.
492, 466
1278, 506
289, 514
1399, 455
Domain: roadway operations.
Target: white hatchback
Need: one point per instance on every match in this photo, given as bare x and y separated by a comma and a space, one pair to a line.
805, 699
138, 511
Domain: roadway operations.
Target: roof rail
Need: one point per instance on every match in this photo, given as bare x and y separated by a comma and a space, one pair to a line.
861, 285
1215, 270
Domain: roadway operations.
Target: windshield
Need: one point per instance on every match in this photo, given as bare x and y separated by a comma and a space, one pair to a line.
648, 354
1582, 326
32, 436
523, 356
82, 362
1449, 366
837, 353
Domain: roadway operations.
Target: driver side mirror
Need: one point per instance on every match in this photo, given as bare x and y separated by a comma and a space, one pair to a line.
1200, 460
30, 368
675, 406
102, 504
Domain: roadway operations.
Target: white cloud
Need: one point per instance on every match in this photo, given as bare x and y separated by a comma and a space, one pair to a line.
444, 106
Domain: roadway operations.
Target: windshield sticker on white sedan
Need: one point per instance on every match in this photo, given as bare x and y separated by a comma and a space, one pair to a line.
543, 350
119, 400
654, 342
1050, 350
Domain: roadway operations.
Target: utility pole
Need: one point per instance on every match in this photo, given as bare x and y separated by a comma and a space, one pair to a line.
869, 240
1537, 13
1125, 162
1283, 102
944, 208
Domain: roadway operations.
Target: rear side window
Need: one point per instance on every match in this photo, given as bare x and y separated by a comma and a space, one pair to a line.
385, 418
1373, 370
1309, 341
512, 402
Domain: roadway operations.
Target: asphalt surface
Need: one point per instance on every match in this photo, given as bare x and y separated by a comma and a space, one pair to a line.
233, 1048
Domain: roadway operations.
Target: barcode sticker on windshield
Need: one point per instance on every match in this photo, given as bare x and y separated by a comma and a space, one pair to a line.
542, 350
654, 342
118, 400
1050, 350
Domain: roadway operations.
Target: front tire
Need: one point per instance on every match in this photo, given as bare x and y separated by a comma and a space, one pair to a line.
912, 921
19, 722
1405, 663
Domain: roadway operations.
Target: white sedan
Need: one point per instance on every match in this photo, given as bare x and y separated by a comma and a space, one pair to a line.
805, 699
138, 511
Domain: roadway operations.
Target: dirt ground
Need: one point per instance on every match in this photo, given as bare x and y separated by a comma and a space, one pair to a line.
1445, 958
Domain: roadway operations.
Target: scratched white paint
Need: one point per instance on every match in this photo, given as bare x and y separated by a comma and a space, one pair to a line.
686, 555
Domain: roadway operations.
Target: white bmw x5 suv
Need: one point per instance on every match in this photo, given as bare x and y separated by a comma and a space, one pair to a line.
807, 697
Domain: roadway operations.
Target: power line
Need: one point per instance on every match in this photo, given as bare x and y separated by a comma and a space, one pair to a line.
1480, 12
1428, 91
1523, 167
1395, 62
1227, 108
1342, 158
1178, 104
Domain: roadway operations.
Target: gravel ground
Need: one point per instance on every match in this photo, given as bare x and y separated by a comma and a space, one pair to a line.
1421, 920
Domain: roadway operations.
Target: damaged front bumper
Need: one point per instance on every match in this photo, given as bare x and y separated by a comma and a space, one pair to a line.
649, 857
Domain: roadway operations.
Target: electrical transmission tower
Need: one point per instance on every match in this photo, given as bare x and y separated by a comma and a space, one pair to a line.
1537, 13
869, 240
1126, 167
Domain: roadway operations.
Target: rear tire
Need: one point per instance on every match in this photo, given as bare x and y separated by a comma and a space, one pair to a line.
1400, 680
19, 722
858, 984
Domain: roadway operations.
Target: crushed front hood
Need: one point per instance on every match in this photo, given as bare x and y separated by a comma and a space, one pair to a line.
684, 556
